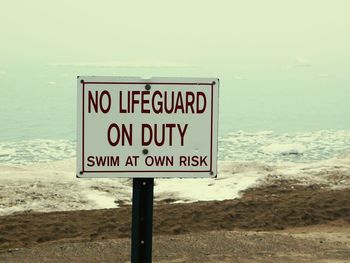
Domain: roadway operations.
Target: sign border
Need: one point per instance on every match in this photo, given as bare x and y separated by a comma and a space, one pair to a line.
144, 83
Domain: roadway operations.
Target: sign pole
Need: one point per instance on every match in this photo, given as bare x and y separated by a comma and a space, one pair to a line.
142, 217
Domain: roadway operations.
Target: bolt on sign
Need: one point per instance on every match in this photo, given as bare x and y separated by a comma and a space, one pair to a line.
158, 127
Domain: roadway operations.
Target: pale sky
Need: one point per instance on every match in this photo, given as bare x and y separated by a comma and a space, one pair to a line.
192, 32
276, 59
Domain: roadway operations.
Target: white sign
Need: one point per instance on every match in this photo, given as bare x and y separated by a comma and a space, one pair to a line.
159, 127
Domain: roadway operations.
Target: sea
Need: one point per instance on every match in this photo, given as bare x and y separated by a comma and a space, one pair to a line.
284, 125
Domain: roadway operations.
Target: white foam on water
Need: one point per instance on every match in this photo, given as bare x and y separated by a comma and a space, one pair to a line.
264, 146
284, 148
39, 175
36, 151
287, 147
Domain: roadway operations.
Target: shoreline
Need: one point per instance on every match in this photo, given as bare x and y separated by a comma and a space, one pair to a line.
277, 206
323, 243
29, 188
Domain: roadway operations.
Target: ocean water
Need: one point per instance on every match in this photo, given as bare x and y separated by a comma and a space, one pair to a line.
38, 101
280, 126
307, 120
265, 146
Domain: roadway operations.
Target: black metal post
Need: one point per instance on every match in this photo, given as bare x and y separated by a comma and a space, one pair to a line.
142, 217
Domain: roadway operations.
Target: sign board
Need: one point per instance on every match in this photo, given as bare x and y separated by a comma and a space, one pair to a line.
159, 127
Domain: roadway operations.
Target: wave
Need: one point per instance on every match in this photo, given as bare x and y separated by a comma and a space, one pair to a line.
36, 151
265, 146
294, 147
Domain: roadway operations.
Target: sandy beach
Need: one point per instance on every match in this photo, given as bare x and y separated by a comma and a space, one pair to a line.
282, 221
253, 212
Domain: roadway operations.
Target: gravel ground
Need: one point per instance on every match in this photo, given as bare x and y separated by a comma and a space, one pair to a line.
280, 222
324, 244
